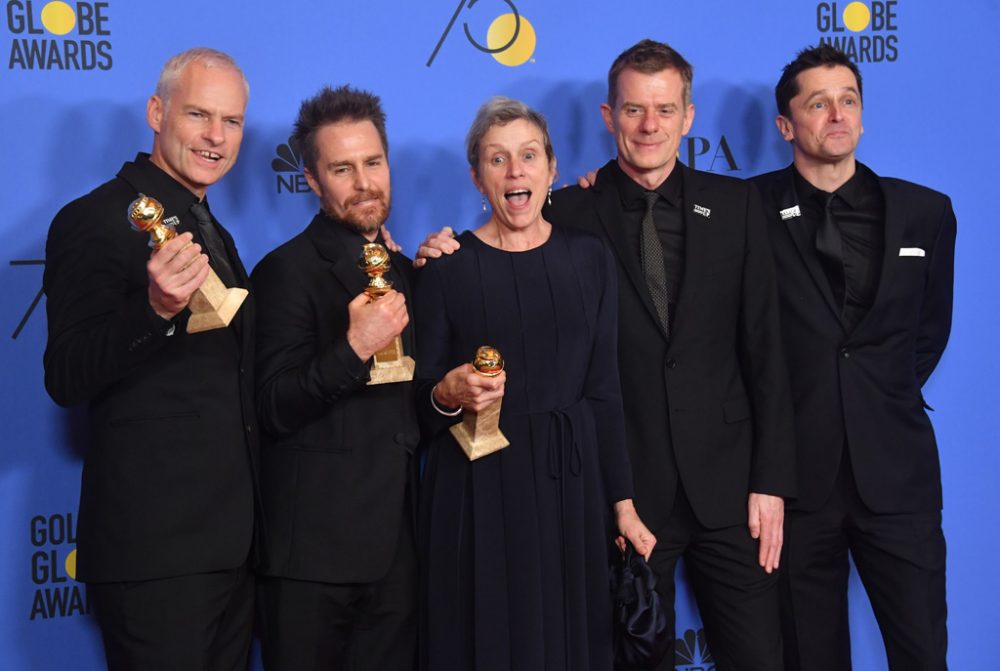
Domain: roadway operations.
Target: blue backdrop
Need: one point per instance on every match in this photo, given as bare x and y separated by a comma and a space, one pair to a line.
72, 103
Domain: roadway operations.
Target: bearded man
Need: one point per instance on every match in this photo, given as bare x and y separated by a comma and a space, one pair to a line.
338, 586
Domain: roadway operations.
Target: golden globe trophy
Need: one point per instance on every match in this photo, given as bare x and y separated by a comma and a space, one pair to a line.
390, 364
212, 305
479, 432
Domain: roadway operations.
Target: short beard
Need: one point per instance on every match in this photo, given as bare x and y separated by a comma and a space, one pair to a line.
367, 223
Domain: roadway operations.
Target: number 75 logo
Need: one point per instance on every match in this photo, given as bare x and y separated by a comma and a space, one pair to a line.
510, 38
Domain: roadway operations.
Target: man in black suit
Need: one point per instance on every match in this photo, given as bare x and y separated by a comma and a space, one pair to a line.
707, 406
865, 266
166, 505
339, 567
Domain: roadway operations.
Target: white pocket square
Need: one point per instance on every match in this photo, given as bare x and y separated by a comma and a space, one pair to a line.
911, 251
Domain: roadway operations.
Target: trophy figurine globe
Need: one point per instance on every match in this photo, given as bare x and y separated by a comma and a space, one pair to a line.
390, 364
213, 305
479, 432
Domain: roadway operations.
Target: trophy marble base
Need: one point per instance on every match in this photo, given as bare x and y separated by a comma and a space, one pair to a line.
391, 365
214, 304
479, 432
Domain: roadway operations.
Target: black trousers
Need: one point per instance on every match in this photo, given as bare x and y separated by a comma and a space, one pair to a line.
342, 627
201, 622
900, 559
737, 599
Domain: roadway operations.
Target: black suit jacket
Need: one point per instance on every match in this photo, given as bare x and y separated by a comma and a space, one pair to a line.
710, 405
336, 452
167, 479
862, 388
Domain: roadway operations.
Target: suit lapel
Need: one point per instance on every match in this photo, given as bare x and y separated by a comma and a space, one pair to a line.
609, 211
895, 222
803, 236
331, 246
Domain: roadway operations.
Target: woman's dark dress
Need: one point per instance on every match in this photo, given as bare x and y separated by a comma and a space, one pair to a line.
515, 545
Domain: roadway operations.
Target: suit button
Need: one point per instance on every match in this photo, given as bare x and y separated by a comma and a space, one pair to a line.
249, 429
844, 352
671, 363
400, 438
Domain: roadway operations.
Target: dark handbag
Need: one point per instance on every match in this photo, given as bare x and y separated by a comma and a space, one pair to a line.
642, 637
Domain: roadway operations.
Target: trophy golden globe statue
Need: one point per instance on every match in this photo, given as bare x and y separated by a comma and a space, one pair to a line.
212, 305
479, 432
390, 364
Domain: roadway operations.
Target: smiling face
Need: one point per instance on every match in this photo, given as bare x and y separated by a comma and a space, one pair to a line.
199, 128
514, 173
648, 120
825, 124
351, 176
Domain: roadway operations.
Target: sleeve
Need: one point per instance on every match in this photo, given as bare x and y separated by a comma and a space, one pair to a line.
935, 315
101, 327
603, 387
299, 379
772, 469
434, 346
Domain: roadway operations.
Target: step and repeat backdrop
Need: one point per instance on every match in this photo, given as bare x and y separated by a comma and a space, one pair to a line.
76, 77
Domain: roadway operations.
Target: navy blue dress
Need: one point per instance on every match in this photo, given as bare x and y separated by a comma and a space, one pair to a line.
515, 544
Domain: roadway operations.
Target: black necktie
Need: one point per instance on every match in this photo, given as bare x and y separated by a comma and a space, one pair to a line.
830, 245
214, 246
651, 255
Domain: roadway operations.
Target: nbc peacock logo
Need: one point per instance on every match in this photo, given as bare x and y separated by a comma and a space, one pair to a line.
691, 653
287, 166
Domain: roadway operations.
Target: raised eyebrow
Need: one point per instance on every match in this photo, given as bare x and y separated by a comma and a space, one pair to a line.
827, 92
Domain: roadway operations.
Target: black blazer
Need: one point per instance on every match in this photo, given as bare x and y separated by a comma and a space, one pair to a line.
863, 388
336, 452
168, 476
711, 404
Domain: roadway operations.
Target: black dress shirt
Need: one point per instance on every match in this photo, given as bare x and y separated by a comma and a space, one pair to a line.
859, 211
667, 217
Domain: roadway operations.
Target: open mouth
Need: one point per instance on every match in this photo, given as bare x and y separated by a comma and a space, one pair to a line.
518, 197
208, 155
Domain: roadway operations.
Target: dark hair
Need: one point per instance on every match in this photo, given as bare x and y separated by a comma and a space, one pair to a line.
649, 57
500, 111
825, 55
331, 106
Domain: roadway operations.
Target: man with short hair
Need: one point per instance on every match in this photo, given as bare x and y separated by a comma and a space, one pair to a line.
339, 566
707, 406
865, 266
166, 505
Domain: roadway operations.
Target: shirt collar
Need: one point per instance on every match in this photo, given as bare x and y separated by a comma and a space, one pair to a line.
149, 178
852, 192
633, 196
342, 233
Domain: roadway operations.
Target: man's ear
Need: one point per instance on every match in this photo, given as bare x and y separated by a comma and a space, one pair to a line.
784, 127
154, 113
608, 115
311, 181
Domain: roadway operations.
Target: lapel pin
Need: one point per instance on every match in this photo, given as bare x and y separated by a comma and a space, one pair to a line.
790, 212
703, 211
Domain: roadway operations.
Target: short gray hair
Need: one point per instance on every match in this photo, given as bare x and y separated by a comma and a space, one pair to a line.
500, 111
210, 58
